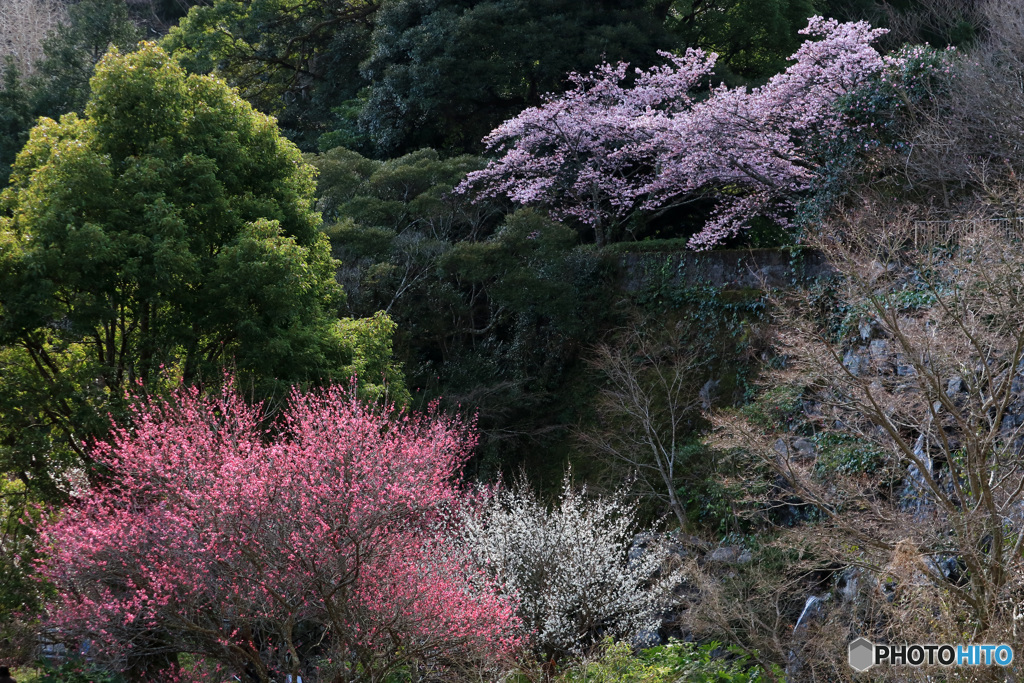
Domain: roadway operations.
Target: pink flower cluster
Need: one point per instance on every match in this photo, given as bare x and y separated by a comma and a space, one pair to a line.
604, 150
323, 537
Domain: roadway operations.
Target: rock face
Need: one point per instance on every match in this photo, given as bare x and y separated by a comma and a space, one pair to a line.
814, 610
730, 554
855, 361
675, 545
680, 548
879, 351
806, 448
800, 448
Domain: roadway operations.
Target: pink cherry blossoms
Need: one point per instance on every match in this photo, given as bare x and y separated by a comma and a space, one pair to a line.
605, 150
318, 548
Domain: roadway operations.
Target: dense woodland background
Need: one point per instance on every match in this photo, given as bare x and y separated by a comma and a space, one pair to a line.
831, 456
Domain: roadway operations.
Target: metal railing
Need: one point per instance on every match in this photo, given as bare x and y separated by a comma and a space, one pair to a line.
948, 234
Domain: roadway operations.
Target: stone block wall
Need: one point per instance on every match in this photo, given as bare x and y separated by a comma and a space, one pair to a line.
730, 269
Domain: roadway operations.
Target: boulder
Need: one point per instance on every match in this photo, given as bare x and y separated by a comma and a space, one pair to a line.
730, 554
805, 448
854, 361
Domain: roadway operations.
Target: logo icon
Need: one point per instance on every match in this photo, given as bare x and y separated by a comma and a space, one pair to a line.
861, 654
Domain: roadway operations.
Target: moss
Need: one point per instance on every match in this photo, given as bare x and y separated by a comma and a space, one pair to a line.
776, 408
845, 454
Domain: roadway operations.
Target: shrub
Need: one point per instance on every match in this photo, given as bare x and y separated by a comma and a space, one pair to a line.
666, 664
317, 549
574, 569
846, 454
778, 406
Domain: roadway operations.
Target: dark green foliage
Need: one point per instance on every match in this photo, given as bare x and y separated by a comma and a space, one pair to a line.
345, 130
724, 324
851, 10
444, 74
765, 233
412, 191
492, 309
156, 17
299, 61
527, 300
15, 117
72, 51
19, 591
840, 453
529, 267
754, 38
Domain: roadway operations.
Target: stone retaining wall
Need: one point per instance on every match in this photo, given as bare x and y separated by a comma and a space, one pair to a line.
730, 269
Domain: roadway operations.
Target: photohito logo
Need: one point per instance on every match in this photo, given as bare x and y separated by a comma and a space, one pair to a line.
864, 654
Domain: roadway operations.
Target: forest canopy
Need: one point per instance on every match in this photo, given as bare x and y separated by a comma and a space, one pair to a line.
394, 341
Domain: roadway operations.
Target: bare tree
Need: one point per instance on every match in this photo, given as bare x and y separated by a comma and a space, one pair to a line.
969, 133
940, 22
931, 379
24, 25
649, 409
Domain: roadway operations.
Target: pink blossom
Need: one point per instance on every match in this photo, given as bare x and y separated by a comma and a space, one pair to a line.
322, 536
603, 150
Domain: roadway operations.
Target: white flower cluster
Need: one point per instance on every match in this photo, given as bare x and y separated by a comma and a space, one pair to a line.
572, 568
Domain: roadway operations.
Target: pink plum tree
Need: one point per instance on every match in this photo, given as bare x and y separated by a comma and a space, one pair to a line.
317, 548
607, 149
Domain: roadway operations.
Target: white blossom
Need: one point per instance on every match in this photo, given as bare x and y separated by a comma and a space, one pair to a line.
571, 567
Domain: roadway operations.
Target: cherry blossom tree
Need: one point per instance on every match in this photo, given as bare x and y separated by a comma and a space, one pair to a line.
609, 148
317, 548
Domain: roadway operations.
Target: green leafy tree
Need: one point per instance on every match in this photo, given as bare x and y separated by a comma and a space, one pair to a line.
754, 38
167, 233
491, 308
72, 51
443, 74
299, 61
390, 223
